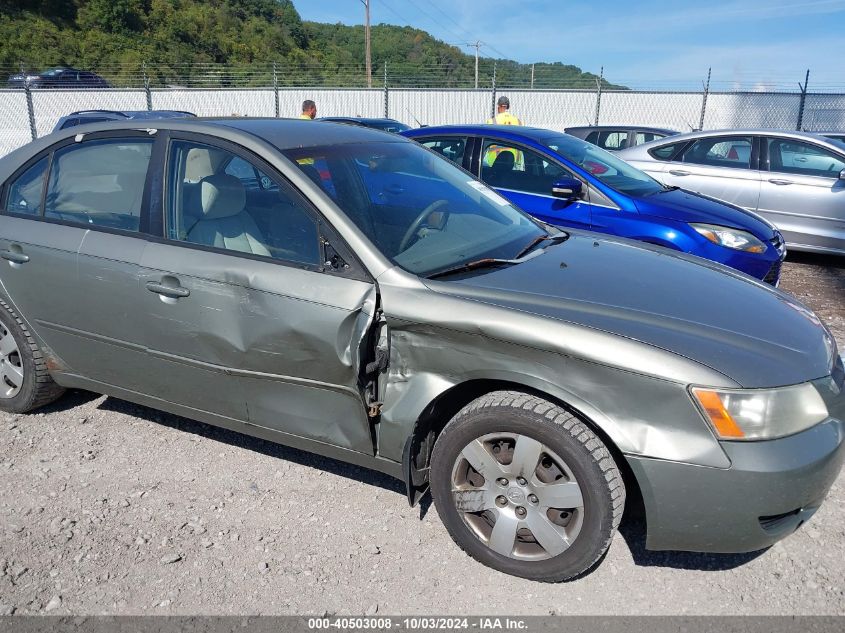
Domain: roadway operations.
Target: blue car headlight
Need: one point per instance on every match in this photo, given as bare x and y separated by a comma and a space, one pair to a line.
736, 239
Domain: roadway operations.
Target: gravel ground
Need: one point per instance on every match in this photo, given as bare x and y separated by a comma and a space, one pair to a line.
107, 507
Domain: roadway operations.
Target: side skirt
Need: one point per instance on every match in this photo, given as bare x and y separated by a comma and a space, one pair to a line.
388, 467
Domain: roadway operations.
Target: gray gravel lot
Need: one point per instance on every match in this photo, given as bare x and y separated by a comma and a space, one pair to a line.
108, 507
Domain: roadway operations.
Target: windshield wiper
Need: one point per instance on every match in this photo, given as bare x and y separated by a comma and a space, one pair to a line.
557, 237
487, 262
670, 187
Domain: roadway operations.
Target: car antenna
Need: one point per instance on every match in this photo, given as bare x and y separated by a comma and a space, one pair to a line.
408, 110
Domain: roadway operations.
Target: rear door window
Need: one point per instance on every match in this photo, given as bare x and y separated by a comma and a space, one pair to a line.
451, 147
613, 140
720, 151
647, 137
99, 183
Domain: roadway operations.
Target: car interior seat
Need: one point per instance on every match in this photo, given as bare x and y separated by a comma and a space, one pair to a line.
224, 222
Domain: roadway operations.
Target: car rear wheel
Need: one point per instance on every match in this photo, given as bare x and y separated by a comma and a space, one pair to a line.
526, 488
25, 383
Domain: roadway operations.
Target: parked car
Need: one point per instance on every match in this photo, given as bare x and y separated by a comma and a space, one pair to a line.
836, 136
262, 275
570, 183
96, 116
60, 77
794, 179
617, 137
388, 125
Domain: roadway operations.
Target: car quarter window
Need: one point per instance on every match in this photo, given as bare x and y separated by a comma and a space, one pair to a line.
720, 151
666, 152
99, 182
219, 199
25, 190
796, 157
451, 147
509, 166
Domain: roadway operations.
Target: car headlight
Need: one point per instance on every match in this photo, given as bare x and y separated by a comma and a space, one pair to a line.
761, 414
730, 238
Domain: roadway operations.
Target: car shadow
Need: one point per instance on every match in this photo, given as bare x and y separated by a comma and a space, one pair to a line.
247, 442
633, 530
816, 259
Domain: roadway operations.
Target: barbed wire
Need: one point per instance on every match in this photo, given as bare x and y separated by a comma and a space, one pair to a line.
445, 74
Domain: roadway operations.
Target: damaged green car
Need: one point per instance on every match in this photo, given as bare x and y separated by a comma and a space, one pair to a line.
348, 292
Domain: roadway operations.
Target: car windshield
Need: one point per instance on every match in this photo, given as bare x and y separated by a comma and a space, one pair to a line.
604, 166
421, 211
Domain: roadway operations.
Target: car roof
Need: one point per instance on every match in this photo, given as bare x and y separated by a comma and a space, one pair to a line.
282, 133
362, 119
536, 134
639, 128
134, 114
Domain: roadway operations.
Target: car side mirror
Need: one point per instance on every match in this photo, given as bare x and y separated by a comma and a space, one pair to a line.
842, 175
567, 188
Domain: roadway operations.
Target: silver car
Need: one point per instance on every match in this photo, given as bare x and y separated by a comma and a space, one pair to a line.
794, 179
348, 292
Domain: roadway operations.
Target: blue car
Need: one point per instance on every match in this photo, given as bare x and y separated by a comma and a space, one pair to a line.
568, 182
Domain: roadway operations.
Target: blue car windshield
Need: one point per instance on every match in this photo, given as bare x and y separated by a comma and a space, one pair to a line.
420, 210
604, 166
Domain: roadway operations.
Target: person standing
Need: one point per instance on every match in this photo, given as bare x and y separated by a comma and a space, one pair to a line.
309, 110
503, 114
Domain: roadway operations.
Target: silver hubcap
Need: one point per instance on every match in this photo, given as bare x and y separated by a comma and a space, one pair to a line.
11, 366
517, 496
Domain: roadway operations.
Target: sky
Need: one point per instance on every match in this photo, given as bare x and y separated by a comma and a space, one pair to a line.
640, 43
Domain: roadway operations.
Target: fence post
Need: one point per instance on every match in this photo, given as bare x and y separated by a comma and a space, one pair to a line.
598, 94
704, 99
493, 109
147, 90
30, 108
803, 101
276, 90
386, 94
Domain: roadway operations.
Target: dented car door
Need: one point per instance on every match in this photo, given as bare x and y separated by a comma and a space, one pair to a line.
241, 318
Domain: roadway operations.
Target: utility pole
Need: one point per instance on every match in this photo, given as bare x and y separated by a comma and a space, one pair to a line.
366, 4
478, 44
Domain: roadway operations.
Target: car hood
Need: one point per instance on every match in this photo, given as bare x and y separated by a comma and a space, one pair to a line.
686, 206
727, 321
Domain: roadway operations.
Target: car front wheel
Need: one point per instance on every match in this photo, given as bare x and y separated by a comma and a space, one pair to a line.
526, 487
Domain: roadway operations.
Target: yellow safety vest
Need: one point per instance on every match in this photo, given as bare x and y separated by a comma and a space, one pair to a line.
505, 118
307, 117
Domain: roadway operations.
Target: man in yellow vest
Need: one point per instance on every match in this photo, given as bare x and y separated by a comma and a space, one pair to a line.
309, 110
503, 115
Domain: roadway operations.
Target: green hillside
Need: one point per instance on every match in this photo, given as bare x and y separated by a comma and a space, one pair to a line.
188, 41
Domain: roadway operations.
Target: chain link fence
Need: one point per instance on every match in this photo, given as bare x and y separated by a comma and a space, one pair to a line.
433, 96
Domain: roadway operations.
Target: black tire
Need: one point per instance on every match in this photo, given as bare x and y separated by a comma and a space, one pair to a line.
585, 456
37, 388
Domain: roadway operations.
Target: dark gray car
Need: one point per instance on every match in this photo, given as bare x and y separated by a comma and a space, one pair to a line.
256, 275
618, 137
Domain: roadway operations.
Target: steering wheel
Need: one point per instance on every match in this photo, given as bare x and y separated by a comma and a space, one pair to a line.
417, 224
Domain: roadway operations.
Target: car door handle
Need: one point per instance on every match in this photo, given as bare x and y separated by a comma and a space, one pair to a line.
394, 189
173, 292
14, 257
800, 159
679, 172
779, 181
